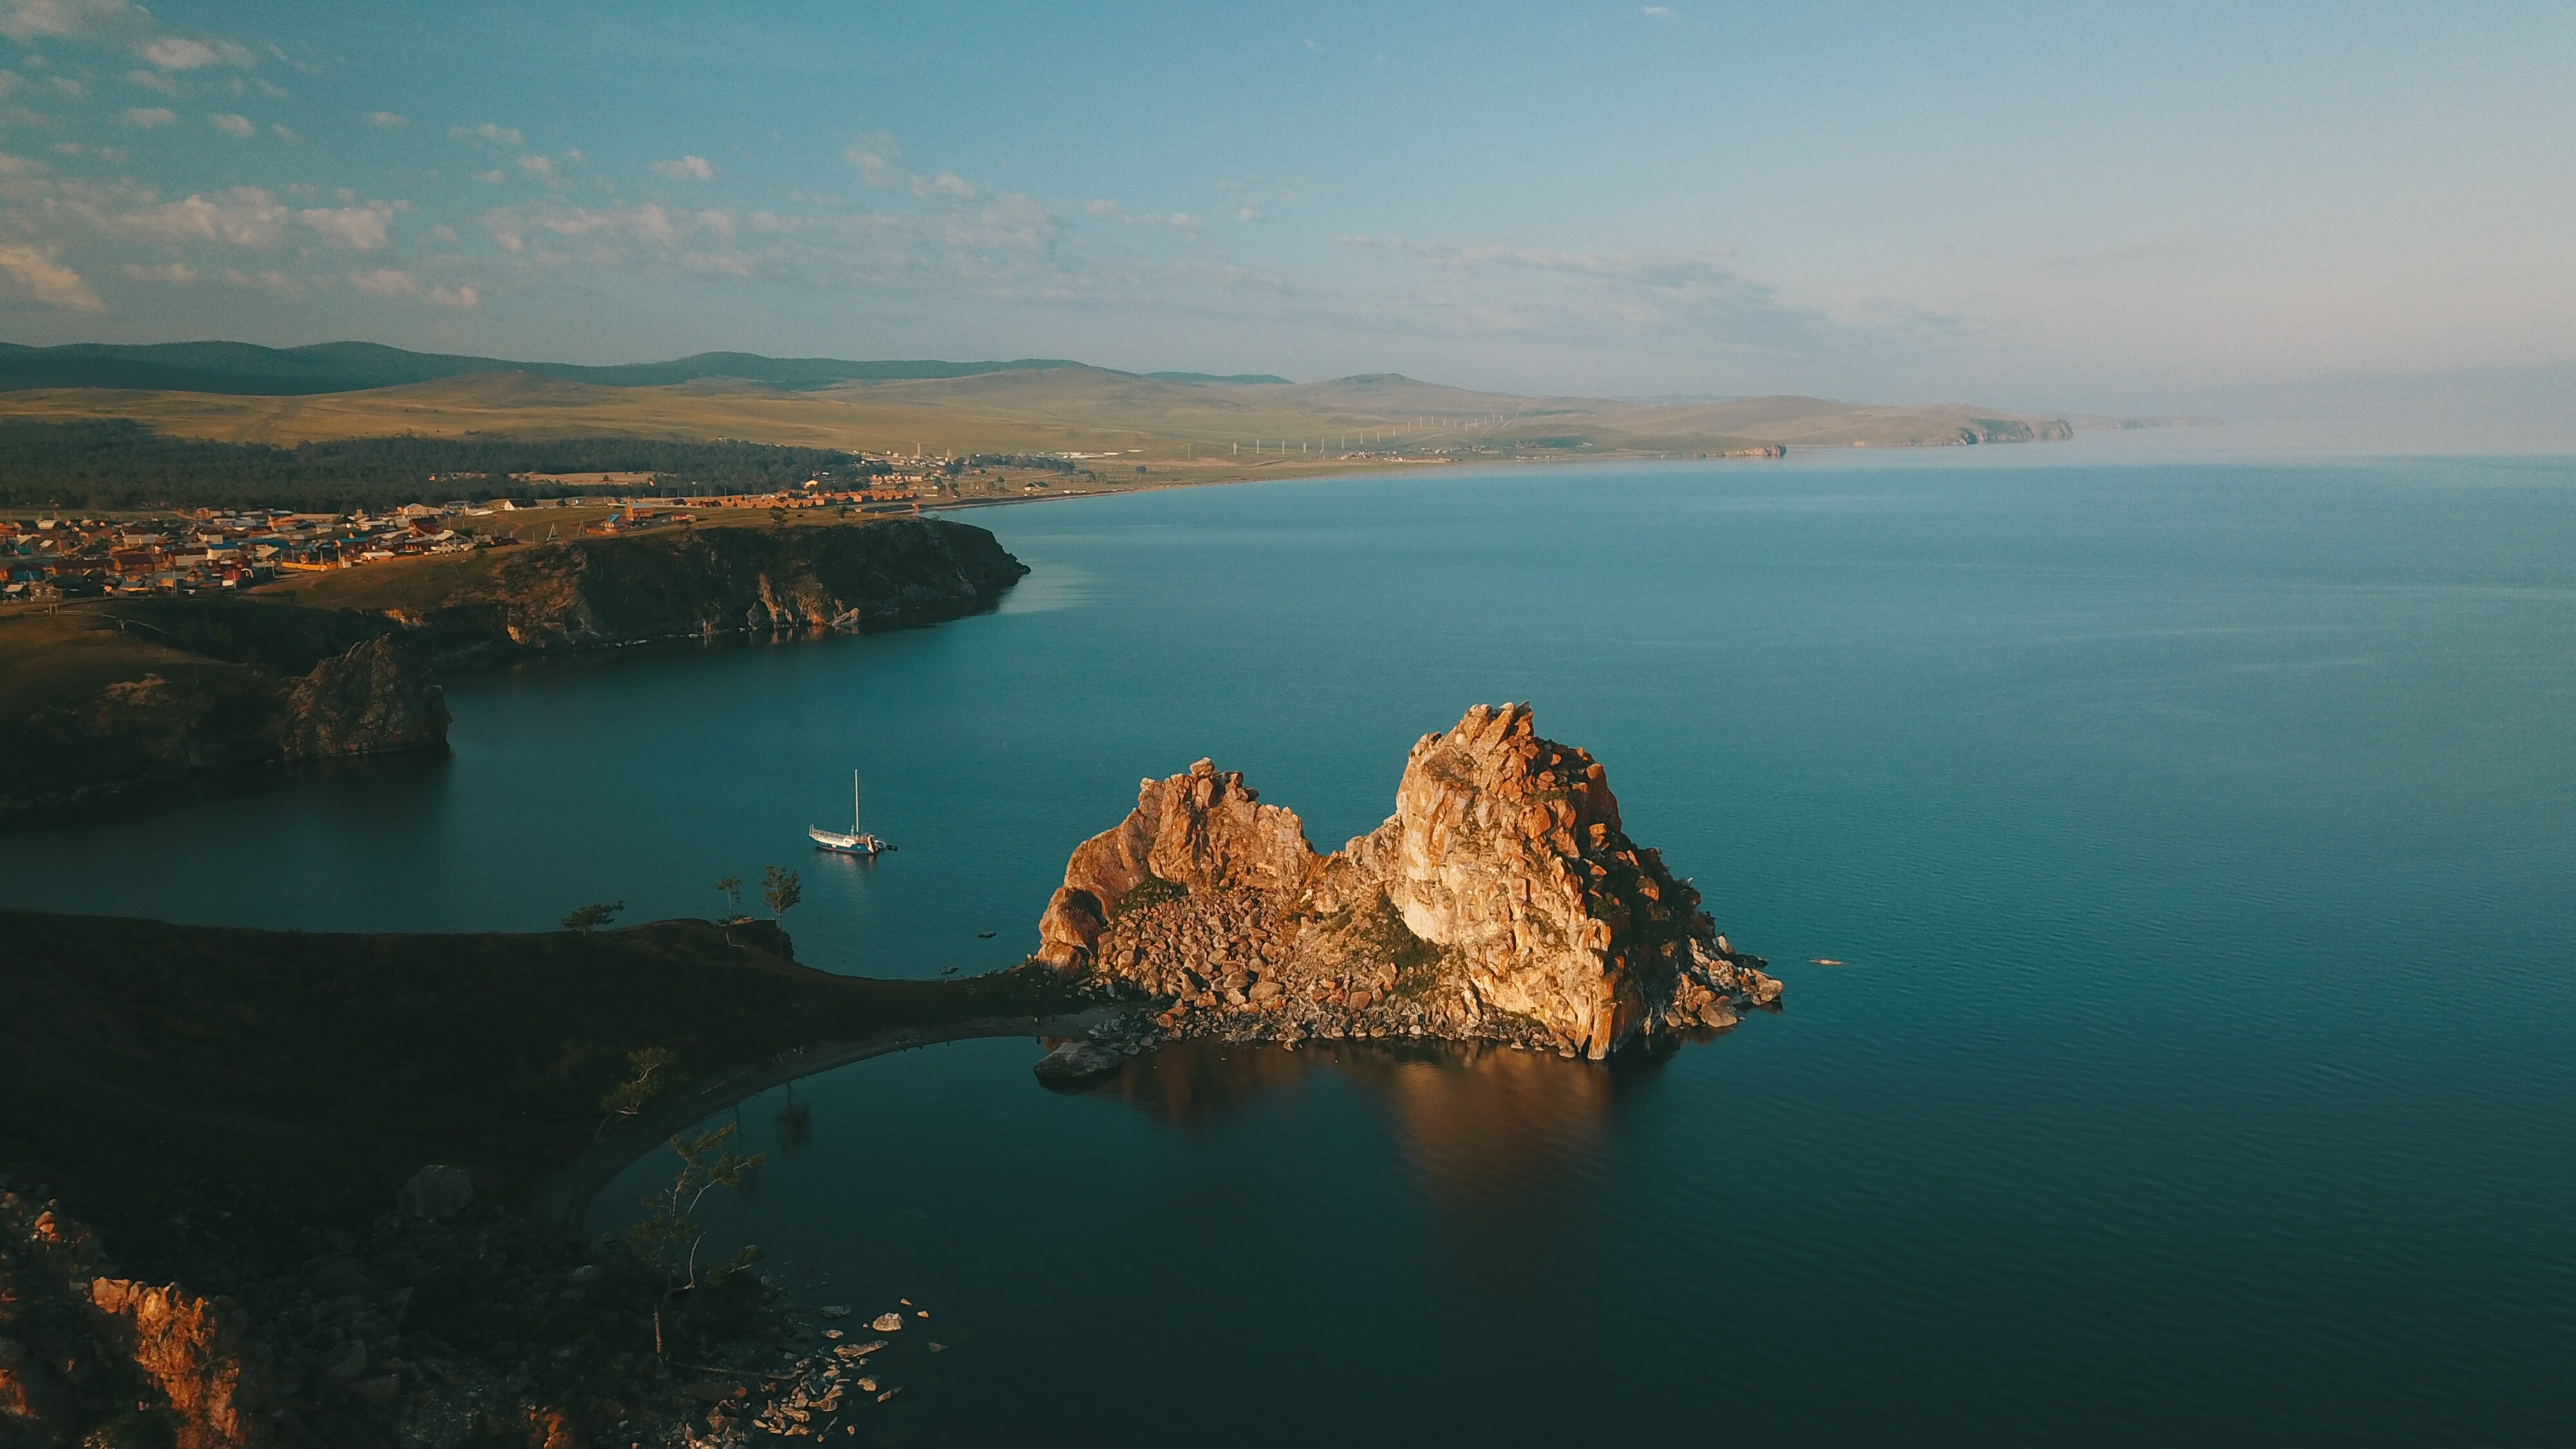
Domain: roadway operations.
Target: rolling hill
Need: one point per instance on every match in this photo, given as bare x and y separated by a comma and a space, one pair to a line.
237, 392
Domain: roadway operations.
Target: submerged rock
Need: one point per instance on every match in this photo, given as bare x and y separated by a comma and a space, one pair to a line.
1501, 901
1077, 1061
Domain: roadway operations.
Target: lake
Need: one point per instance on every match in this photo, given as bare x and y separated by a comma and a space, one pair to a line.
2198, 833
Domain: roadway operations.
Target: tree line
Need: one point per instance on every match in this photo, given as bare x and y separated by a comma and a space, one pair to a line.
119, 464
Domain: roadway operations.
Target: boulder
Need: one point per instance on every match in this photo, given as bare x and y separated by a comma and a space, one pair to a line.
436, 1193
1077, 1061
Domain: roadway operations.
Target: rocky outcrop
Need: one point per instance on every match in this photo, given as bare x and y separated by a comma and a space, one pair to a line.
378, 697
215, 685
1502, 901
696, 583
188, 1350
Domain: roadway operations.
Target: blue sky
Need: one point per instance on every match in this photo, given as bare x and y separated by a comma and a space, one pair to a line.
2057, 206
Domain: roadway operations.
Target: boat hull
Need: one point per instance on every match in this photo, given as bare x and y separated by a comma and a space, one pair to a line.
840, 844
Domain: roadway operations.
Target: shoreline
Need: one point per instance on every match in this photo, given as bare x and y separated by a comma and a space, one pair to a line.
567, 1194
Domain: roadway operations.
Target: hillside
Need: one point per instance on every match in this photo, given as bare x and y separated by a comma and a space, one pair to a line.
245, 368
1222, 423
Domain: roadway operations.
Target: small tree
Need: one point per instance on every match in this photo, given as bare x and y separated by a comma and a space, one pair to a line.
731, 886
586, 919
669, 1237
780, 890
651, 1067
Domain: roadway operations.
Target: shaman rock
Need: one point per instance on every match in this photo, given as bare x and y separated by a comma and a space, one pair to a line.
1501, 901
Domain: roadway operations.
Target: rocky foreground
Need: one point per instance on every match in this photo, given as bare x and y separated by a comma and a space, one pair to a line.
1500, 902
256, 1187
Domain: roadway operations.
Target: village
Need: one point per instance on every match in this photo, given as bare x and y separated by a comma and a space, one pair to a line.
46, 559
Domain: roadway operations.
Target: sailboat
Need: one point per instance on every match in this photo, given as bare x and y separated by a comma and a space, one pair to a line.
857, 841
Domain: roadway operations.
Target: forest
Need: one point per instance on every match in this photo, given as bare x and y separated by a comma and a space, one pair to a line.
116, 464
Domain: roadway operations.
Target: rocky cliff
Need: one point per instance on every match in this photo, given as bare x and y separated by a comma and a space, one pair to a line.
694, 583
1502, 901
175, 688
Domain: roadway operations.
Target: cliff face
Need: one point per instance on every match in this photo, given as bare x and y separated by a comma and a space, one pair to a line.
376, 698
1501, 901
212, 686
695, 583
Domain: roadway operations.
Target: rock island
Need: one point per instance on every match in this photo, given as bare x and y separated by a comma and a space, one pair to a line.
1500, 902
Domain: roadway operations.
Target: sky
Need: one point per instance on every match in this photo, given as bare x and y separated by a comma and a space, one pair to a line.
2062, 206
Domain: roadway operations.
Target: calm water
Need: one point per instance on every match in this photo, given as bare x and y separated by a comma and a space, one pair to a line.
2201, 835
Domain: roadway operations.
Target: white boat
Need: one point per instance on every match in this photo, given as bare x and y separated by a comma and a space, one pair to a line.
856, 841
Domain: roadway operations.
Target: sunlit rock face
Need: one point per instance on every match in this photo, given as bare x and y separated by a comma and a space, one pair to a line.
1501, 901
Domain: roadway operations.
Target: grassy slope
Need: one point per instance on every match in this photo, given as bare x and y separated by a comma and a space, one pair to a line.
1049, 409
137, 1057
50, 658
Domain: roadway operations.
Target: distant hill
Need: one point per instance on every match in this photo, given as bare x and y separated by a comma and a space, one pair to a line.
235, 392
243, 369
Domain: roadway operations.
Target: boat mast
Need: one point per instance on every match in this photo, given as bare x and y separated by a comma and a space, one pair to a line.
854, 803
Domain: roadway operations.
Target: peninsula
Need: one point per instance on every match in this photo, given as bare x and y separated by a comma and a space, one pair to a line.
1501, 901
102, 696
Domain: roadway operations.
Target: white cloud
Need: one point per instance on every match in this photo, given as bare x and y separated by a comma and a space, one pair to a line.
494, 178
1656, 12
98, 22
387, 121
359, 228
245, 216
167, 272
384, 282
538, 167
687, 168
29, 272
148, 116
172, 52
490, 132
271, 280
153, 80
283, 134
458, 297
13, 165
232, 125
880, 162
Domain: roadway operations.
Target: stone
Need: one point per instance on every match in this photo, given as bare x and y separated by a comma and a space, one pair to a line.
1077, 1061
436, 1193
1501, 901
345, 1363
887, 1323
834, 1310
340, 1279
377, 1388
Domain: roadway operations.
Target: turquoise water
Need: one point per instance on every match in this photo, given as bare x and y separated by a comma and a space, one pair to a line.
2200, 835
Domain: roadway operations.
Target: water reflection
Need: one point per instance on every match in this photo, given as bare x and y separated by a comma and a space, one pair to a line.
1478, 1124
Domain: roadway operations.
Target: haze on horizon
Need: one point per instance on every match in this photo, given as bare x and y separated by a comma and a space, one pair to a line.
2095, 209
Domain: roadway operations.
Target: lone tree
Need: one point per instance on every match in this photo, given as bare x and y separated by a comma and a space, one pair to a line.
731, 886
586, 919
669, 1237
780, 890
651, 1066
